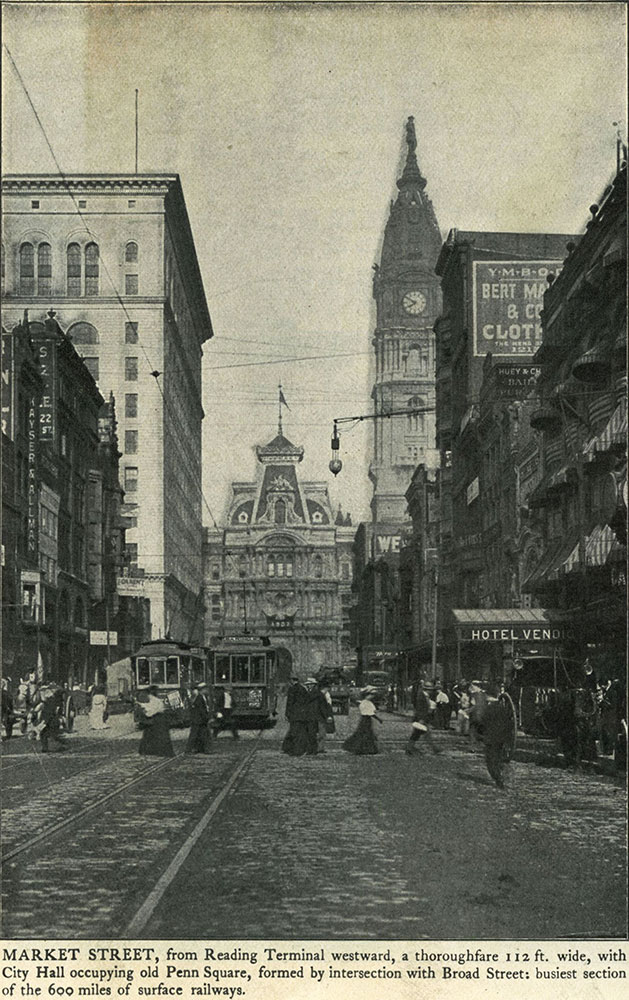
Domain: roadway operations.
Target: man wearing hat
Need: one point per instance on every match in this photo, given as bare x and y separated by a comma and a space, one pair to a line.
200, 733
496, 735
421, 719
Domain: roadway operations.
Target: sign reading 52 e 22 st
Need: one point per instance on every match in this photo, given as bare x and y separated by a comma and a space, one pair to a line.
508, 297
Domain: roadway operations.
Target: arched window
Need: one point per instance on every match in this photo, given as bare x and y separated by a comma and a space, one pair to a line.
270, 566
44, 269
92, 267
414, 421
280, 512
27, 269
83, 333
74, 269
131, 286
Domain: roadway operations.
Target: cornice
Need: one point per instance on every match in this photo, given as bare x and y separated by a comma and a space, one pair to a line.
158, 183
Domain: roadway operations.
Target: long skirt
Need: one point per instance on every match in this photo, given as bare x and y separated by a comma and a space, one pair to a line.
301, 738
199, 738
363, 740
155, 740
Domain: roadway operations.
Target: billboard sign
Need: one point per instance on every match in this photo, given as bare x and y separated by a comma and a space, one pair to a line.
508, 298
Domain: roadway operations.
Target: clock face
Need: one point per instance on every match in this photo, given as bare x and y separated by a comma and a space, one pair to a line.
414, 302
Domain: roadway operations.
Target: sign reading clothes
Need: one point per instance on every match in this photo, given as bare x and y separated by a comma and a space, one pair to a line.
508, 298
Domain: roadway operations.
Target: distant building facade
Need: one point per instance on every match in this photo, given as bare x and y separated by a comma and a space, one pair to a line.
493, 288
408, 300
281, 565
115, 253
63, 534
580, 421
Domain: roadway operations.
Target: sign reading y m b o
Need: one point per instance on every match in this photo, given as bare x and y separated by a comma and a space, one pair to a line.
508, 298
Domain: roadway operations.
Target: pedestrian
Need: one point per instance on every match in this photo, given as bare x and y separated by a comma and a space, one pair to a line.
478, 704
420, 727
363, 740
155, 740
48, 726
295, 742
314, 712
67, 707
8, 713
200, 733
98, 711
443, 707
325, 722
225, 710
496, 735
463, 714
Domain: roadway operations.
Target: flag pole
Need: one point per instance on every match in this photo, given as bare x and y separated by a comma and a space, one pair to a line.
280, 407
136, 130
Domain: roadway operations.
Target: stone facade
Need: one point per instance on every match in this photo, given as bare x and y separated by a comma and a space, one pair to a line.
116, 257
281, 565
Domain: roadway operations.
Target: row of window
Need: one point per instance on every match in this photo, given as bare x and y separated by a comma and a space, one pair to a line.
82, 269
85, 333
282, 565
92, 363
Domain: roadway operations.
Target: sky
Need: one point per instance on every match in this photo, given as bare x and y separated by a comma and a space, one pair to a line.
286, 124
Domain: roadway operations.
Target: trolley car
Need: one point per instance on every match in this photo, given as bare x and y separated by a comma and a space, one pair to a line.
174, 668
248, 665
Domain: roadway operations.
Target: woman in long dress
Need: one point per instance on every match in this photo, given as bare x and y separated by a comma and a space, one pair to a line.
155, 740
364, 740
98, 710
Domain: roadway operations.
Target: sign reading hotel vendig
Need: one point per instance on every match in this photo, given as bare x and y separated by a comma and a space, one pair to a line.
508, 298
510, 633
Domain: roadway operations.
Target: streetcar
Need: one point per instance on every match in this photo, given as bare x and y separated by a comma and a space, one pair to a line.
248, 665
174, 668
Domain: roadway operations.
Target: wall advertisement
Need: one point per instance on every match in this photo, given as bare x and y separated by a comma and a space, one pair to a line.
508, 297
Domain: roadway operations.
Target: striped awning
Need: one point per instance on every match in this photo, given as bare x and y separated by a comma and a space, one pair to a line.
603, 547
615, 433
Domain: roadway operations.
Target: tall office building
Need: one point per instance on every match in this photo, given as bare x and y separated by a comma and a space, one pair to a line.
114, 255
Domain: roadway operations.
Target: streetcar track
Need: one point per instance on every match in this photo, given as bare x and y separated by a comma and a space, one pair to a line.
151, 902
68, 820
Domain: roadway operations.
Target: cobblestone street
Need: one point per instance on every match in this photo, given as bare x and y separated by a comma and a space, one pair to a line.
329, 847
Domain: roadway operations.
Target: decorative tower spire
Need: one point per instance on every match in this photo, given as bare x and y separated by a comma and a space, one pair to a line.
411, 176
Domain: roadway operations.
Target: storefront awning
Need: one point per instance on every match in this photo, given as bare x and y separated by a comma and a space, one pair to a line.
602, 547
614, 434
506, 624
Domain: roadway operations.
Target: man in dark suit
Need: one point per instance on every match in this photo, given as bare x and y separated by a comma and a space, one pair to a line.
298, 713
496, 735
199, 738
421, 719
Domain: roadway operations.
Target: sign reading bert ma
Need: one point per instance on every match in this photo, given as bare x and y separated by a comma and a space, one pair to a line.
508, 297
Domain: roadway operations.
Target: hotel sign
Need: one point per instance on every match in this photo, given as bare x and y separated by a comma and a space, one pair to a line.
508, 298
510, 633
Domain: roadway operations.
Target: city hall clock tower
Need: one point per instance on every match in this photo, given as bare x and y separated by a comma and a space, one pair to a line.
408, 300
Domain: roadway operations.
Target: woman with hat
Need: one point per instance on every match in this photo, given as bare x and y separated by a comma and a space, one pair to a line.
155, 740
364, 739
